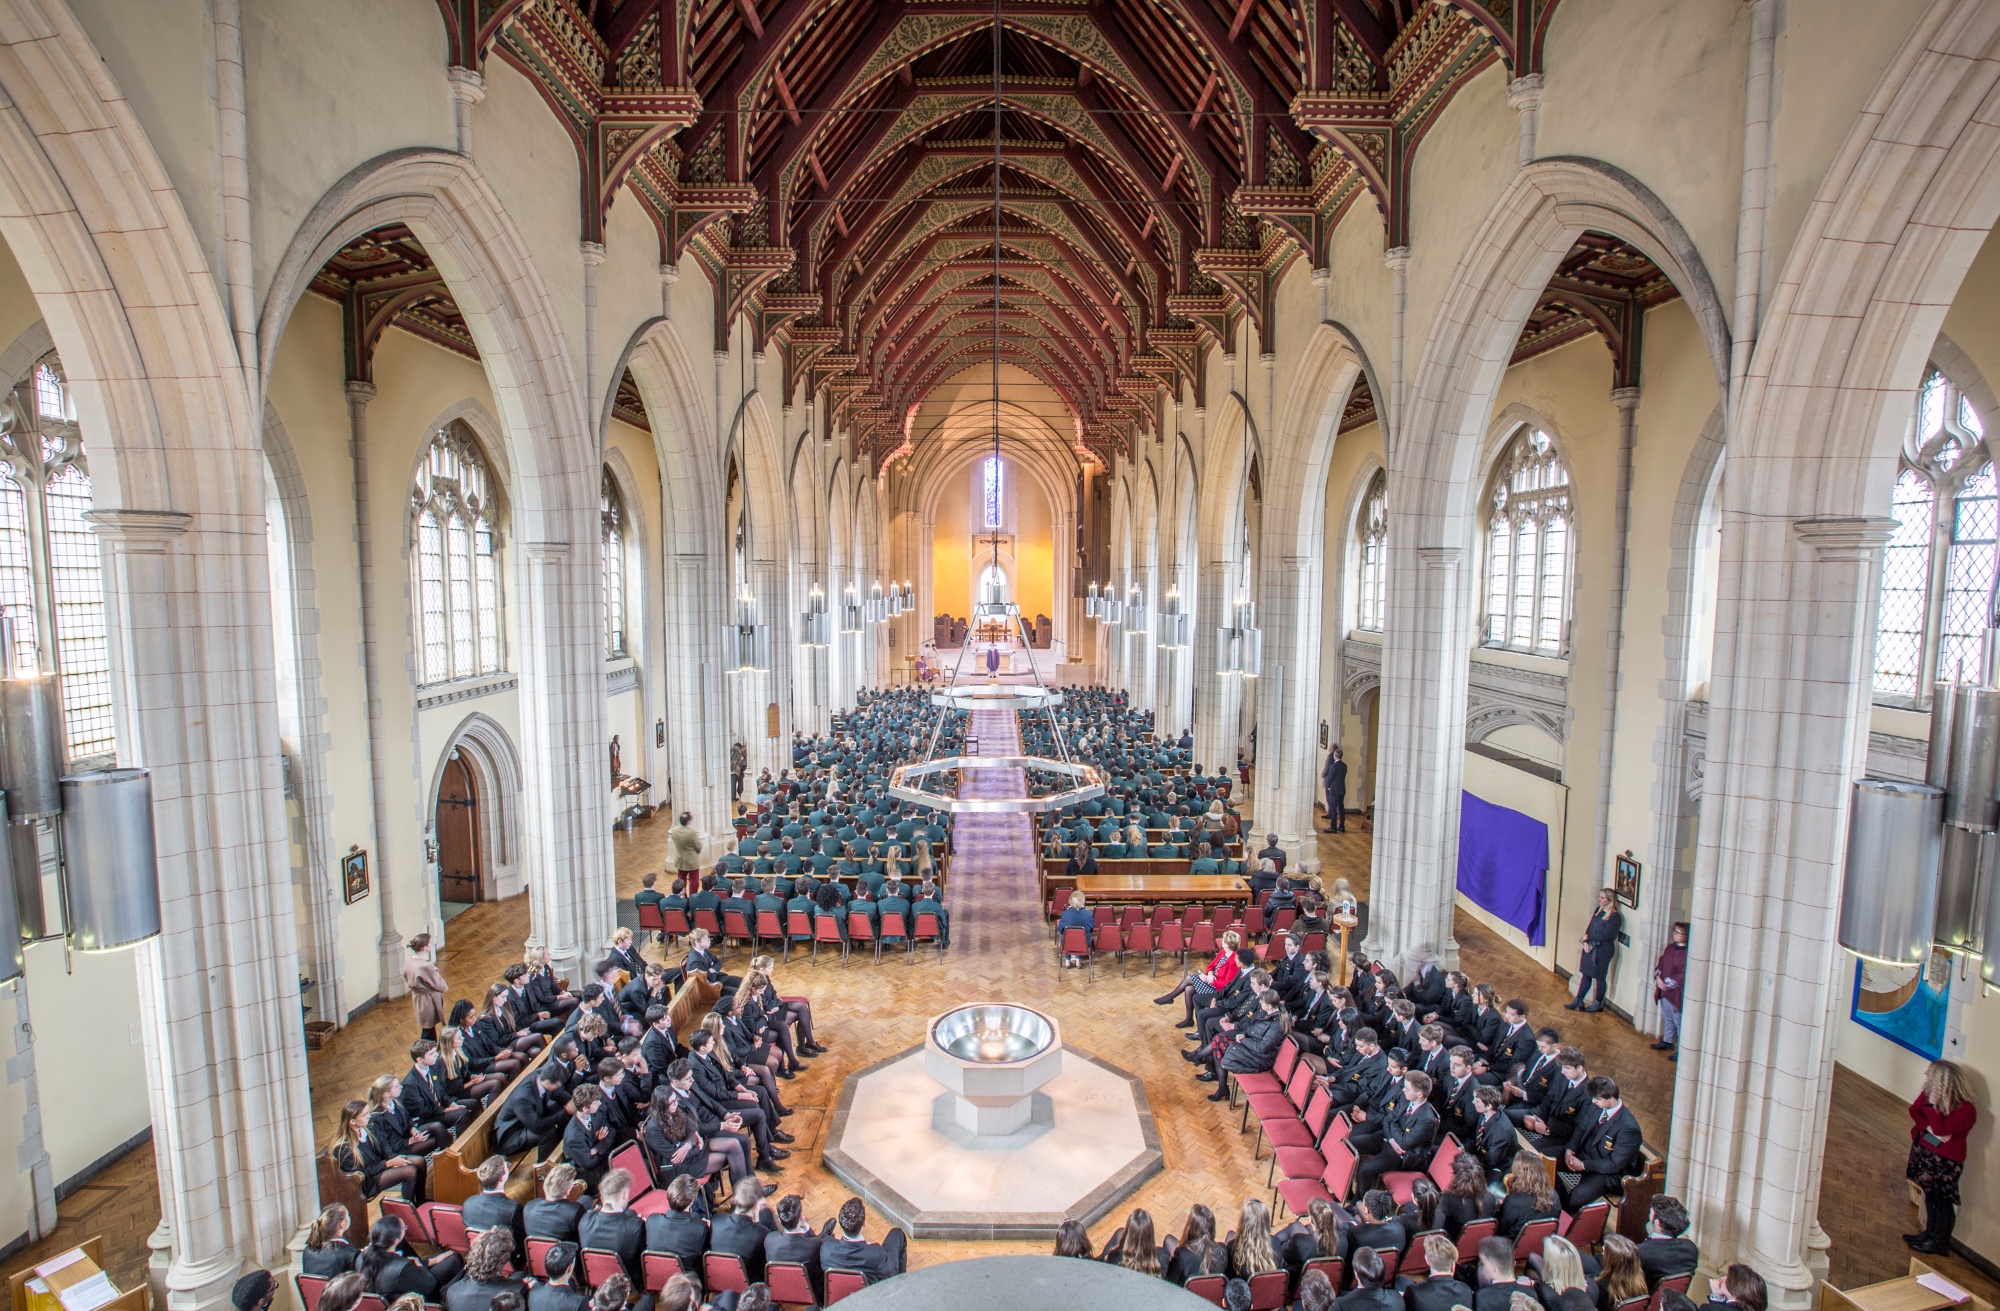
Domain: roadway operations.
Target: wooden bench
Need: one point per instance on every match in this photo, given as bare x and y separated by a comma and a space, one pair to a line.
455, 1169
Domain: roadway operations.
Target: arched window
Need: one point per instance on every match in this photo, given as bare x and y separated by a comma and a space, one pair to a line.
990, 490
51, 579
611, 541
1938, 567
1371, 534
452, 512
1528, 548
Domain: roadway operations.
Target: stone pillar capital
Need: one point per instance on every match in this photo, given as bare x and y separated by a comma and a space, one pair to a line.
1845, 538
139, 530
1625, 399
468, 85
593, 253
359, 393
1440, 557
1525, 92
1397, 258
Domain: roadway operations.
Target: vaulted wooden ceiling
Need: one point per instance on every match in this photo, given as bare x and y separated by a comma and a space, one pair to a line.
832, 165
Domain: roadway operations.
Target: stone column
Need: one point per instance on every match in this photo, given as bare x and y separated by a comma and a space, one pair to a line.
1287, 775
218, 989
564, 730
1218, 699
1626, 399
761, 691
389, 942
1421, 742
468, 88
1524, 97
697, 707
592, 255
1788, 732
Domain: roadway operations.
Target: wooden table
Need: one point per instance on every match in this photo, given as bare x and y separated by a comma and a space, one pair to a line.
1904, 1294
1135, 889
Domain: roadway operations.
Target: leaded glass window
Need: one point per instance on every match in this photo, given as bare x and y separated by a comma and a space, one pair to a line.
1371, 531
452, 509
51, 576
1529, 548
1938, 568
611, 542
990, 490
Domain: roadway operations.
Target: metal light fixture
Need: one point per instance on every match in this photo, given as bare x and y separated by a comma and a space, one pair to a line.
1889, 905
107, 868
1173, 624
850, 610
746, 643
814, 624
1240, 643
1135, 611
1092, 606
876, 609
1110, 609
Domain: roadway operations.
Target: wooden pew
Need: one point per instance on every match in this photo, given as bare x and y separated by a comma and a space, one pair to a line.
455, 1169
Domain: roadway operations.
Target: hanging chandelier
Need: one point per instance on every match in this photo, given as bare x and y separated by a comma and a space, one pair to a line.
814, 624
1065, 781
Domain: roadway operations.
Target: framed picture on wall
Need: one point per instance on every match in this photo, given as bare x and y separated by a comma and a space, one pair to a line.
1625, 879
1322, 735
354, 875
1906, 1005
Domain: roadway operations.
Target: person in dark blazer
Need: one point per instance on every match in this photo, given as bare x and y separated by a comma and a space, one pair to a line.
491, 1208
660, 1046
1369, 1271
612, 1228
647, 989
1455, 1108
1530, 1196
588, 1140
486, 1275
1334, 779
424, 1097
1605, 1148
1425, 986
1667, 1250
559, 1291
1410, 1138
1320, 1232
1441, 1291
327, 1252
1497, 1281
1552, 1122
1082, 859
677, 1231
1376, 1224
845, 1247
553, 1215
742, 1230
700, 960
793, 1242
1495, 1141
1466, 1198
532, 1115
1077, 916
1600, 944
390, 1268
1197, 1252
1515, 1045
1531, 1083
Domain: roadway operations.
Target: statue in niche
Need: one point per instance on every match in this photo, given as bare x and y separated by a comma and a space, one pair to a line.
617, 764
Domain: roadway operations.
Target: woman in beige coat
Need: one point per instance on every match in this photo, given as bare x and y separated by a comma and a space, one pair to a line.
426, 984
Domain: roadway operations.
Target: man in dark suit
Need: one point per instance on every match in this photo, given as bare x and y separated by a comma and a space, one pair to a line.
1290, 971
1368, 1294
612, 1228
587, 1140
1667, 1251
1605, 1148
1334, 779
1432, 1057
1552, 1123
1359, 1079
552, 1215
1376, 1225
1372, 1117
659, 1047
1532, 1084
491, 1208
794, 1242
677, 1231
1456, 1107
559, 1292
424, 1097
1410, 1138
1442, 1291
532, 1115
1515, 1045
1425, 986
740, 1231
844, 1247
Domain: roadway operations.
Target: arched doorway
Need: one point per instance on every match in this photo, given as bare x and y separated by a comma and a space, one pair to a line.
460, 854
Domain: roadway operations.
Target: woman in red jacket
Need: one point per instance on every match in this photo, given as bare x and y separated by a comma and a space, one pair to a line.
1941, 1117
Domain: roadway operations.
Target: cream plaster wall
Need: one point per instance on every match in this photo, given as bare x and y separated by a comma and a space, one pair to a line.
87, 1042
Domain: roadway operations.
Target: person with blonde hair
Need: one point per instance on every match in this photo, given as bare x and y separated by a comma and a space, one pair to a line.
1562, 1272
1250, 1250
1941, 1116
327, 1252
1132, 1246
1600, 944
1076, 916
356, 1151
1530, 1195
345, 1293
787, 1013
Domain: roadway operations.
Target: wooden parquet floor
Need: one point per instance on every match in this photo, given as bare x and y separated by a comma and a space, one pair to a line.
1000, 949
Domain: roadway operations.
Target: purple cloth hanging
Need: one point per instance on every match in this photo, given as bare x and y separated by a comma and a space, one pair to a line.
1503, 864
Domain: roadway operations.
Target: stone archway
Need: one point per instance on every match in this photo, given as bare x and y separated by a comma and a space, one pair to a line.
480, 747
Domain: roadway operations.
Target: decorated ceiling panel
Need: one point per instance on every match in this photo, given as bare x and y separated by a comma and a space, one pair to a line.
1158, 165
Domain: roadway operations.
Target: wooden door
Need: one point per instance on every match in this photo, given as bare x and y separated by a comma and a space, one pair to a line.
461, 863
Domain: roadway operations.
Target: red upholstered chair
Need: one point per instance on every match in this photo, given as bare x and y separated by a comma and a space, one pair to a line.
893, 926
724, 1272
770, 928
1392, 1261
789, 1283
659, 1269
1470, 1237
1130, 916
1108, 943
798, 924
1201, 944
1103, 915
538, 1256
1331, 1186
1267, 1291
705, 919
928, 930
1224, 916
414, 1223
1274, 1079
1163, 915
1172, 940
1639, 1303
1211, 1287
447, 1225
1533, 1235
1299, 1147
1189, 918
674, 922
599, 1266
310, 1287
1074, 943
1398, 1182
650, 919
1253, 923
1332, 1267
841, 1283
1586, 1227
1138, 938
1283, 922
826, 930
736, 927
1287, 1105
1315, 941
860, 931
1674, 1283
1306, 1131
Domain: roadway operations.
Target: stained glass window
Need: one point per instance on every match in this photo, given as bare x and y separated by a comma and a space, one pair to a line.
1372, 530
1528, 548
1938, 567
458, 591
611, 541
51, 577
990, 494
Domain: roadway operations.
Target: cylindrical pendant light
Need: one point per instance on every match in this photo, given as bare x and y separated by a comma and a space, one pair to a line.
1889, 902
1937, 767
1975, 758
1960, 859
10, 915
31, 762
111, 873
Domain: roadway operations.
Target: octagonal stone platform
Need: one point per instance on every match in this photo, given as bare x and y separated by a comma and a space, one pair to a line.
896, 1141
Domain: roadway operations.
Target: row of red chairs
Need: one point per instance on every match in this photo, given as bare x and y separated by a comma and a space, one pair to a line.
1155, 939
797, 927
1311, 1160
1252, 924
